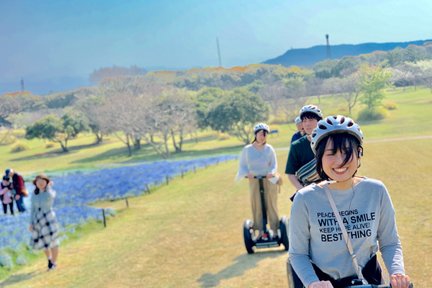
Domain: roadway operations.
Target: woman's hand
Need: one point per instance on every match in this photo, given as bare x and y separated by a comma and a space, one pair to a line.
269, 175
321, 284
31, 228
17, 197
399, 281
250, 176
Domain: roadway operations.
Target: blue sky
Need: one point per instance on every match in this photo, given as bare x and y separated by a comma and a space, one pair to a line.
60, 38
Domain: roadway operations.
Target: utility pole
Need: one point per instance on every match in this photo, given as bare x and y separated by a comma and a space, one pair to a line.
218, 51
328, 46
22, 85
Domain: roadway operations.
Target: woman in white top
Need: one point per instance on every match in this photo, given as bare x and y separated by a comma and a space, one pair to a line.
259, 159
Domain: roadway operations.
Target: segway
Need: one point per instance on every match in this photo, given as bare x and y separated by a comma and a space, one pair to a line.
265, 241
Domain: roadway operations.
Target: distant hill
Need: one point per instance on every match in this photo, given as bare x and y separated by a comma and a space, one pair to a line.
312, 55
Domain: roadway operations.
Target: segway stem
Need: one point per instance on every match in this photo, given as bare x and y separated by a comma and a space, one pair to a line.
263, 204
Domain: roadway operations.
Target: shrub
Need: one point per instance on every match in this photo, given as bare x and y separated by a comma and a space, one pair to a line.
21, 260
6, 260
390, 105
371, 114
7, 138
223, 136
19, 147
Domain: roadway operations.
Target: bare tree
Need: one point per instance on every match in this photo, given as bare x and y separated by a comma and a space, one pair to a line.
348, 88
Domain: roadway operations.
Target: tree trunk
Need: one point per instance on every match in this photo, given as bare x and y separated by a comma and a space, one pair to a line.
176, 148
137, 143
128, 144
165, 137
99, 137
63, 146
181, 141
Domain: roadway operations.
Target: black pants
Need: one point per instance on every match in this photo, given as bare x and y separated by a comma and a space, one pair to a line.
10, 206
371, 272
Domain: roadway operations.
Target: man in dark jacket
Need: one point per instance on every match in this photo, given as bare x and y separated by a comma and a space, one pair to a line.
19, 187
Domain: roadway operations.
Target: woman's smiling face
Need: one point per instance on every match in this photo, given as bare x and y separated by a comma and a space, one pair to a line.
333, 163
41, 184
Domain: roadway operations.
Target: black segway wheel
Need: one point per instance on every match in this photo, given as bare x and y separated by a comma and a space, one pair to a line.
283, 226
247, 236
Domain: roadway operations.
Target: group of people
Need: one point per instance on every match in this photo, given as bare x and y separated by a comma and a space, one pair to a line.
13, 190
43, 223
338, 220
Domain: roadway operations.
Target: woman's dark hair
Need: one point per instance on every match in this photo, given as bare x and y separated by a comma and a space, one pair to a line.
43, 177
343, 142
256, 132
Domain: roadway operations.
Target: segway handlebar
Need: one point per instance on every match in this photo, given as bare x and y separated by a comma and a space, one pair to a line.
257, 177
411, 285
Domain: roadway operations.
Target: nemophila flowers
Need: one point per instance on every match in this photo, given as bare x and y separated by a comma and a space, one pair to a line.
78, 189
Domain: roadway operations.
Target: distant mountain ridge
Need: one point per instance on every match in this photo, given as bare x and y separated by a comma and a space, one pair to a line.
312, 55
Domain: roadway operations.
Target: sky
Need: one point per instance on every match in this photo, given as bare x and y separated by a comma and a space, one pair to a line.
62, 40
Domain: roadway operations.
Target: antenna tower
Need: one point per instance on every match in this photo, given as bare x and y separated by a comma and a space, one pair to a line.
219, 53
328, 46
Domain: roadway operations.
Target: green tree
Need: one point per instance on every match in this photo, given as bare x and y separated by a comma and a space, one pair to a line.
237, 112
59, 130
372, 82
205, 99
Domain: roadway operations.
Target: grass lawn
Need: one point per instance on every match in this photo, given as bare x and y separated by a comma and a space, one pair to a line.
189, 233
411, 118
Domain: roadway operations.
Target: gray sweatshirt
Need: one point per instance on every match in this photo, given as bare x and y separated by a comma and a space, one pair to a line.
259, 162
315, 236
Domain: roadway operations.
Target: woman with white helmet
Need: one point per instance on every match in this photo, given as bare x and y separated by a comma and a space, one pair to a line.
338, 225
259, 159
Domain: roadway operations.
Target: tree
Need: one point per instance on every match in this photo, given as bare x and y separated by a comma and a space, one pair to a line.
59, 130
237, 112
348, 88
14, 103
180, 110
372, 81
204, 99
93, 109
105, 73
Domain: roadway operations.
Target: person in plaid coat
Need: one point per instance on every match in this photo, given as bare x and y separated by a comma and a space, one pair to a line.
43, 222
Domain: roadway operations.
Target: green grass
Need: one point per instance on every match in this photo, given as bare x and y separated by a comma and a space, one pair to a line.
188, 234
411, 118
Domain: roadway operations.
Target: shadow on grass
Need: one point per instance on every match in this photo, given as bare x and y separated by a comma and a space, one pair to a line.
147, 154
239, 266
16, 278
55, 153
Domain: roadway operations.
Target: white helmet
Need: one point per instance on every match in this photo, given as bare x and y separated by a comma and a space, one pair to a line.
297, 120
310, 108
334, 125
261, 126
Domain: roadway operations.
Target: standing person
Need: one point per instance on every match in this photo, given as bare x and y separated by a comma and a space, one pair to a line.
6, 195
301, 163
299, 127
19, 187
43, 222
338, 225
259, 159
